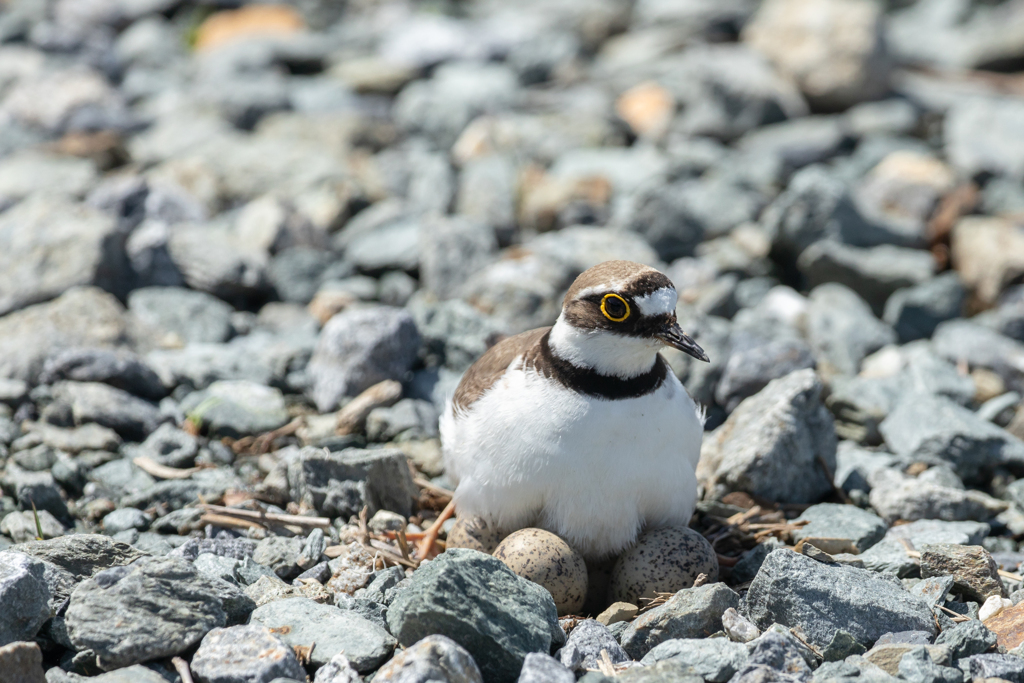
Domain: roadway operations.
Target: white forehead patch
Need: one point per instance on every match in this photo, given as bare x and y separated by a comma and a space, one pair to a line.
658, 302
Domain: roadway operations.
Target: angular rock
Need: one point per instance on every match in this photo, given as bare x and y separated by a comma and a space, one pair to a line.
896, 496
967, 638
434, 658
874, 273
130, 416
478, 602
54, 244
582, 650
974, 571
338, 670
690, 613
981, 347
782, 430
360, 348
714, 659
24, 597
929, 428
21, 663
154, 608
82, 555
915, 312
21, 526
833, 49
318, 479
831, 521
120, 369
821, 599
169, 446
182, 316
301, 621
236, 408
1003, 667
751, 367
280, 554
842, 330
244, 654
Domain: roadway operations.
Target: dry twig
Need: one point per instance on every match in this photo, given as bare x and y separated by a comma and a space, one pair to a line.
269, 518
181, 666
381, 395
152, 467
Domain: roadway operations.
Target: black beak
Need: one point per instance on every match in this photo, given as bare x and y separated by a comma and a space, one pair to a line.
673, 335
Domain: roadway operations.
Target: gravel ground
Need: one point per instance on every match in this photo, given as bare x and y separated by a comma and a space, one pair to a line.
221, 222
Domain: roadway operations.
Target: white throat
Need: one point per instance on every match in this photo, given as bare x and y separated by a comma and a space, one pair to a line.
606, 352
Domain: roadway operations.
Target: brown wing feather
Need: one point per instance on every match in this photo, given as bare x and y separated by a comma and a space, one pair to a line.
489, 368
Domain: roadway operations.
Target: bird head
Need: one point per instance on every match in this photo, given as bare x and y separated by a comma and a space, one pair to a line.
615, 318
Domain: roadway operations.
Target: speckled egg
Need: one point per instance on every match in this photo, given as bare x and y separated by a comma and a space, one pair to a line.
664, 560
545, 559
474, 533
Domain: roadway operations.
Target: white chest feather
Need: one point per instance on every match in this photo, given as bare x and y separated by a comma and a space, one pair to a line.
531, 452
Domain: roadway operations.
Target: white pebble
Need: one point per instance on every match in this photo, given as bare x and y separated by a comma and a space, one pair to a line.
739, 628
993, 606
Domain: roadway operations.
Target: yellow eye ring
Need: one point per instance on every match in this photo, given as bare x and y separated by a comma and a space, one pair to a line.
609, 315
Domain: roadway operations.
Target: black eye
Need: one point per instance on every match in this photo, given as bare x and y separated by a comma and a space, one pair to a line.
614, 307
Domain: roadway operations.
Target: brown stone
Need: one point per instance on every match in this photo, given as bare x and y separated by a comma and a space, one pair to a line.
988, 253
21, 663
974, 571
251, 21
647, 108
1008, 626
887, 657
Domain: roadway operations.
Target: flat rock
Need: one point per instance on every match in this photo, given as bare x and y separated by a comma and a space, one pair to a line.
690, 613
301, 621
829, 520
782, 429
973, 638
181, 316
822, 599
714, 659
244, 654
82, 554
131, 417
236, 408
1003, 667
24, 597
154, 608
498, 617
930, 428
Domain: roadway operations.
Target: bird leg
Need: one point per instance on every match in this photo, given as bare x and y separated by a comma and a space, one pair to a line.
426, 544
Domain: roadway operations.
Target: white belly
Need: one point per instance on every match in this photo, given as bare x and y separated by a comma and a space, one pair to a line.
592, 471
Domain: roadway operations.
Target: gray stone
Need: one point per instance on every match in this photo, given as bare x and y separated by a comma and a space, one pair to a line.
751, 366
315, 476
296, 272
89, 437
126, 518
829, 520
757, 450
897, 496
488, 192
981, 346
338, 670
53, 245
935, 429
1004, 667
177, 493
215, 259
978, 139
280, 554
690, 613
181, 315
874, 273
137, 673
966, 639
130, 416
24, 597
81, 316
409, 419
933, 590
480, 604
121, 369
300, 621
82, 555
21, 526
34, 489
154, 608
842, 646
539, 667
582, 651
915, 312
750, 562
821, 599
434, 658
236, 408
360, 348
917, 666
21, 663
244, 654
714, 659
223, 568
842, 329
169, 446
778, 652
